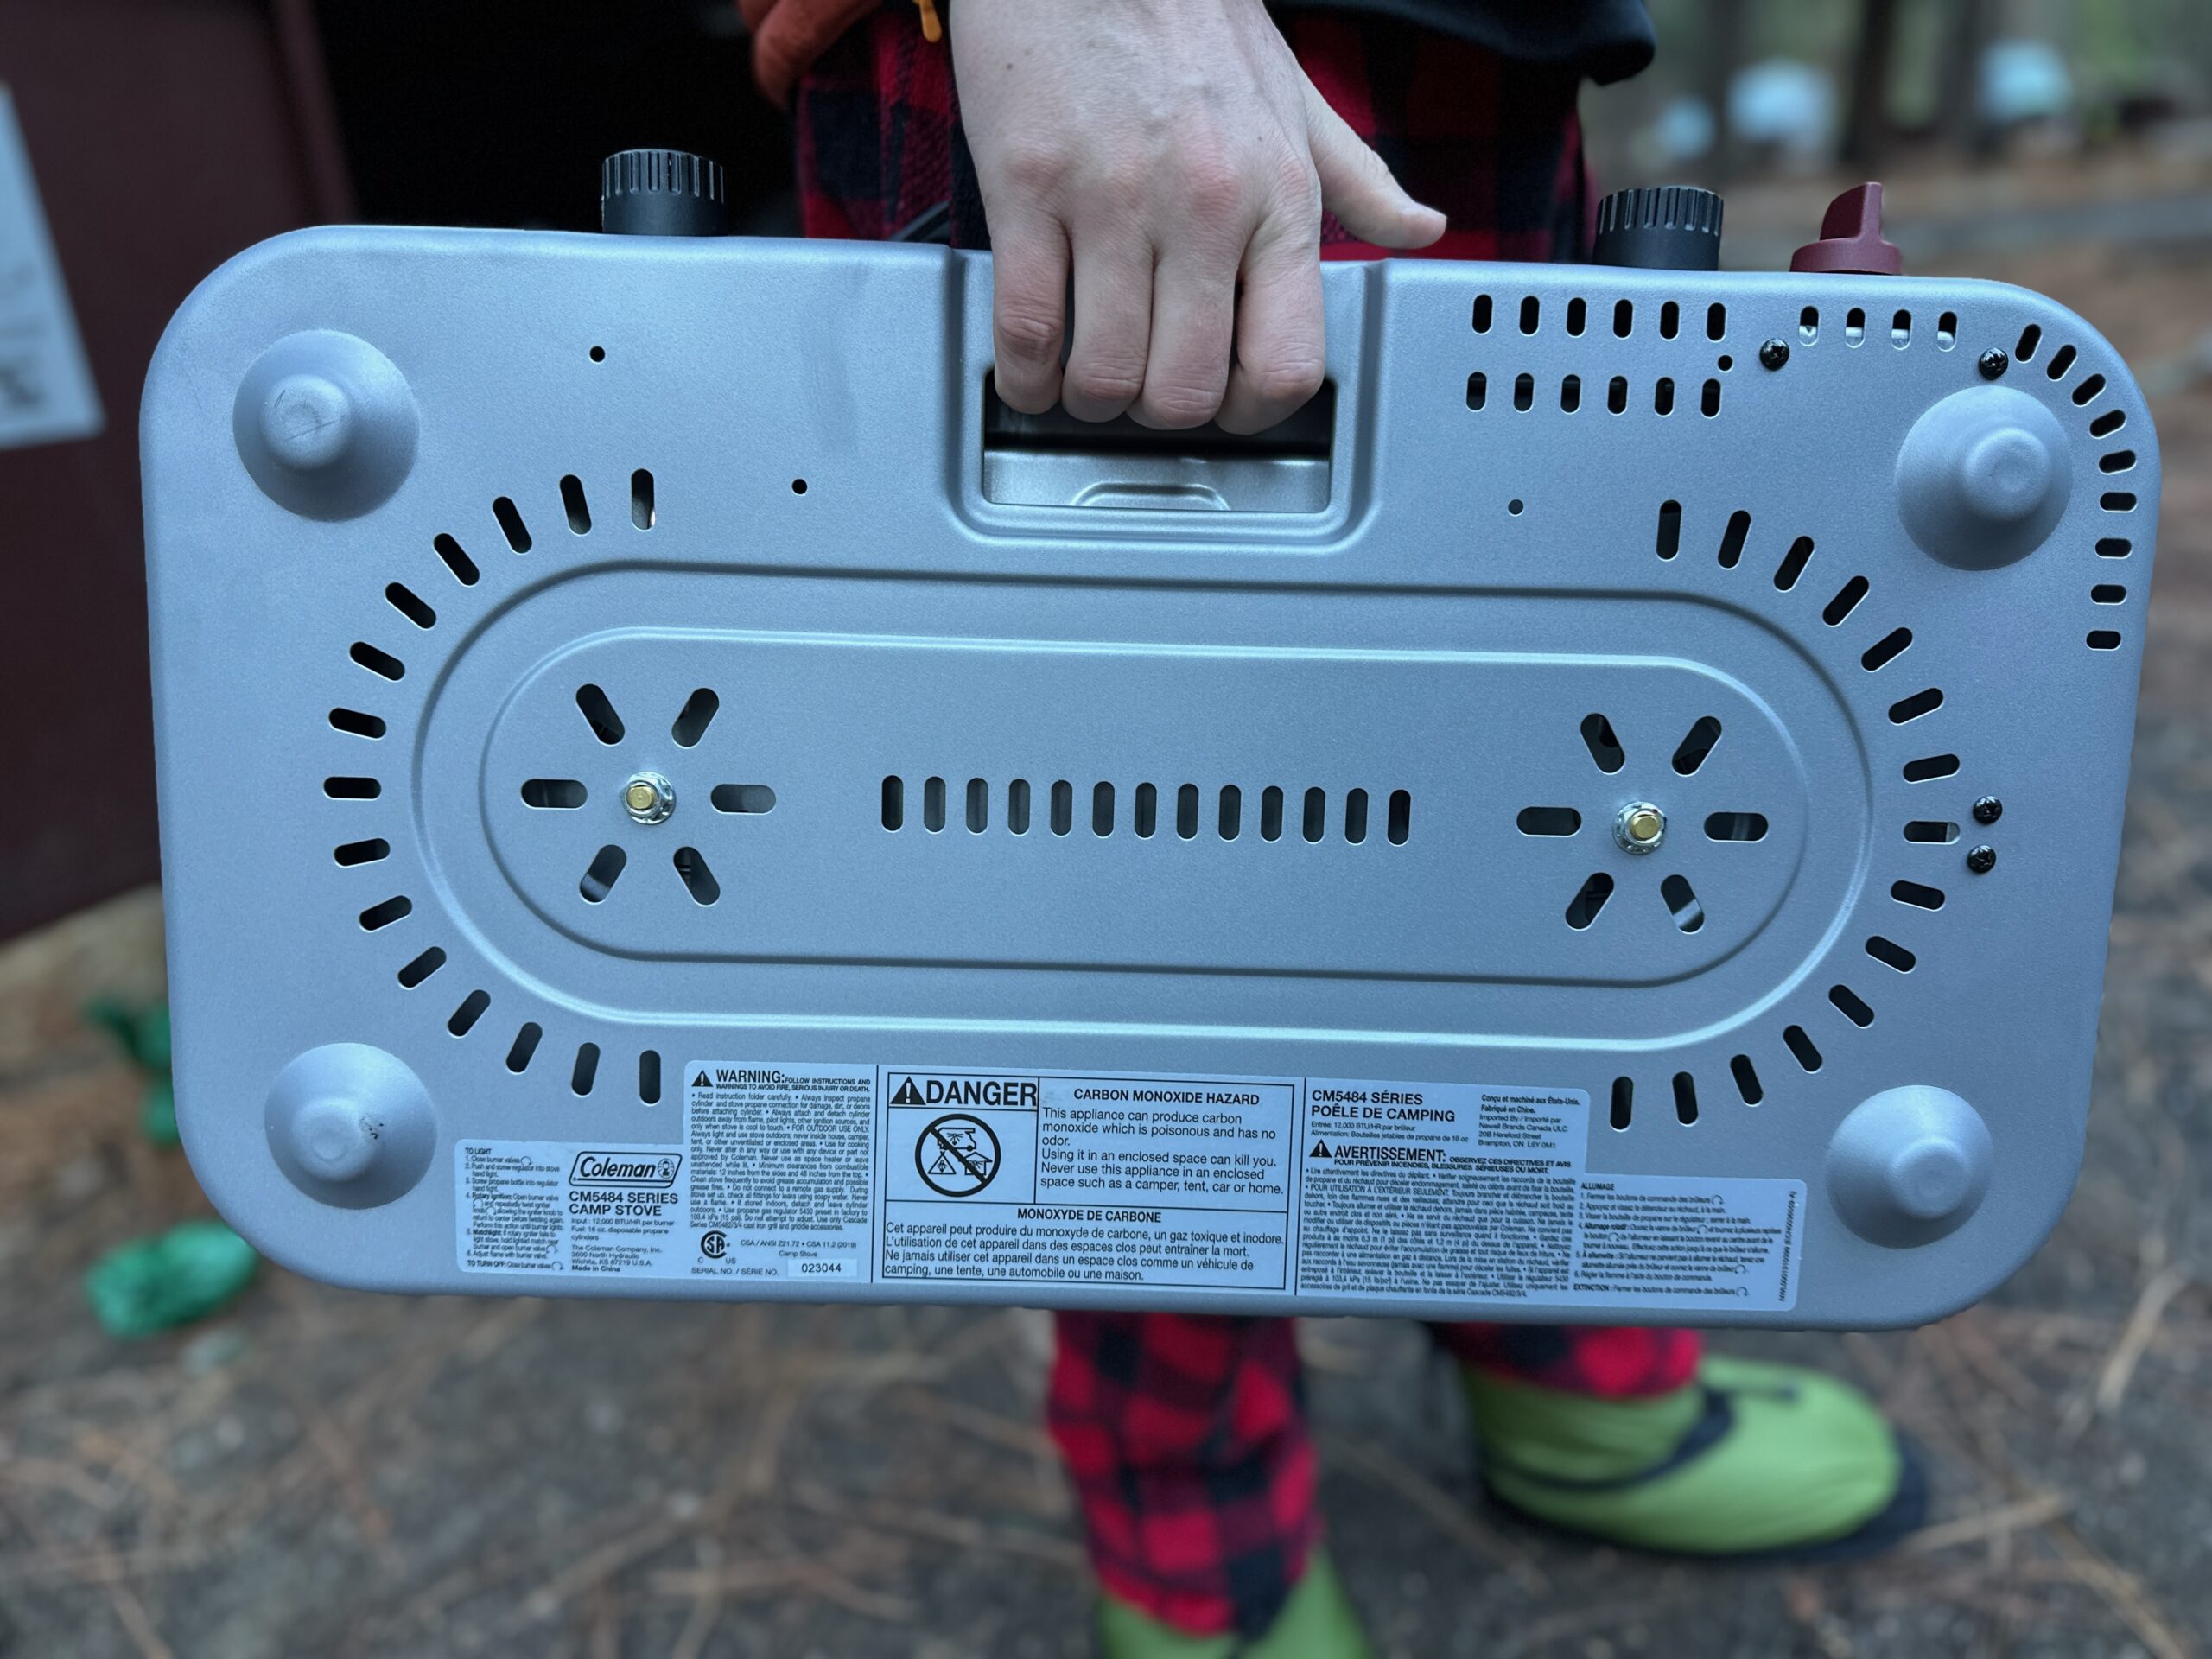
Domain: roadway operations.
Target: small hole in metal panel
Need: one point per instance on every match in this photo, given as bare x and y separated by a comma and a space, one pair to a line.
1886, 649
1736, 826
1682, 903
376, 662
1063, 807
1716, 321
1670, 529
2108, 422
642, 514
1733, 539
524, 1047
1928, 767
1186, 812
1146, 815
933, 804
1931, 832
649, 1077
1524, 392
599, 877
1570, 393
1854, 326
1901, 330
1685, 1098
573, 503
1617, 394
1919, 897
1531, 315
449, 552
1793, 563
1747, 1079
2061, 360
1662, 396
362, 852
585, 1072
979, 806
693, 719
422, 967
1624, 1102
352, 789
1801, 1047
1400, 819
1670, 319
1851, 1006
2108, 592
1017, 806
1623, 318
1548, 820
1478, 390
2111, 501
1808, 324
1919, 704
2104, 639
1102, 809
1271, 813
1316, 823
1696, 744
385, 914
405, 599
599, 353
1356, 816
798, 486
598, 710
1604, 748
557, 794
511, 524
353, 721
1515, 505
2088, 391
1578, 315
1229, 813
1947, 331
470, 1011
751, 799
2031, 337
2119, 460
1709, 399
698, 878
894, 802
1589, 899
1845, 601
1891, 954
1482, 314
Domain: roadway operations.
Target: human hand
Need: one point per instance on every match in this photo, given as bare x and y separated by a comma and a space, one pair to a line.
1159, 151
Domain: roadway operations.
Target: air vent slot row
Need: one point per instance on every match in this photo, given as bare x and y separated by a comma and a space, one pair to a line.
1352, 822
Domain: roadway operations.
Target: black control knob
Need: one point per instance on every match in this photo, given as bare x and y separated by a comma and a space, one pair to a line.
660, 193
1660, 227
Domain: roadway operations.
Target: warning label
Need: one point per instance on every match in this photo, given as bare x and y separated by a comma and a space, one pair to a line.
1278, 1187
1452, 1190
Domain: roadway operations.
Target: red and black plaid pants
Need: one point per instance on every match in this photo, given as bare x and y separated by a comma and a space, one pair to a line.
1186, 1435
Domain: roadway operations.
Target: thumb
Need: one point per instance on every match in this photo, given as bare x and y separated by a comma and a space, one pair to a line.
1358, 188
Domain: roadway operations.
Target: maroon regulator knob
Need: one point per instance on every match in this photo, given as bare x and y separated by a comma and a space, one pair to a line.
1851, 238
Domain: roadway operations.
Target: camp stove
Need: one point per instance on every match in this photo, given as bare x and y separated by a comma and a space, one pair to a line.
670, 789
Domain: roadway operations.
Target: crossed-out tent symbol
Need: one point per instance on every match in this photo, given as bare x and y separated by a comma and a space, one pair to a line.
958, 1155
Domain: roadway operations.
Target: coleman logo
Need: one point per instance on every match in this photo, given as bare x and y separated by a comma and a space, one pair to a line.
625, 1169
1020, 1093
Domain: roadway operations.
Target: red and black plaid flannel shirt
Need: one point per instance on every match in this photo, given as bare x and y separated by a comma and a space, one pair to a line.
1187, 1436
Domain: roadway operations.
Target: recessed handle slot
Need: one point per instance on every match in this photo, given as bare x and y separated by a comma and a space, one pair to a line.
1054, 460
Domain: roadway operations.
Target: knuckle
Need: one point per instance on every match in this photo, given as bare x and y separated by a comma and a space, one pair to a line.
1297, 186
1037, 169
1288, 379
1212, 186
1028, 331
1105, 382
1179, 403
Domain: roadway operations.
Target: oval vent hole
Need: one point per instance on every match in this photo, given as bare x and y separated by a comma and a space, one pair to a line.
519, 1052
1356, 816
978, 804
1736, 826
1919, 704
641, 501
1681, 902
697, 878
455, 560
1886, 650
362, 852
693, 719
1747, 1079
1316, 823
1186, 812
409, 605
1930, 767
558, 794
1271, 813
1670, 529
1586, 903
599, 713
1696, 744
586, 1070
352, 789
1229, 821
756, 798
1851, 1006
1934, 832
1919, 897
1604, 748
1624, 1102
649, 1077
1685, 1097
1548, 820
605, 870
1733, 539
378, 661
573, 503
1063, 807
1801, 1047
1891, 954
385, 914
1147, 811
894, 802
1845, 601
470, 1011
1793, 563
933, 805
2104, 639
1017, 806
1400, 820
511, 524
353, 721
422, 967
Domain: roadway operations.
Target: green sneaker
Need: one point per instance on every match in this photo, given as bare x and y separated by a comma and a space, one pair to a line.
1749, 1459
1316, 1623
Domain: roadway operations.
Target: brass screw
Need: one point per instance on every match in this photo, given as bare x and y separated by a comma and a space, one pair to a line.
1640, 828
649, 797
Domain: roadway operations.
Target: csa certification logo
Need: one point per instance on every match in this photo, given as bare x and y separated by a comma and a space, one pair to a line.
958, 1155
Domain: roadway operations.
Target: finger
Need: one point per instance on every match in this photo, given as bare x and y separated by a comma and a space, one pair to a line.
1358, 188
1029, 275
1193, 315
1113, 322
1280, 342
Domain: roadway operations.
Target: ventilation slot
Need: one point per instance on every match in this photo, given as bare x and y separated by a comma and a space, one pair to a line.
979, 806
1228, 819
1732, 540
2108, 423
1271, 813
2108, 592
1845, 601
1919, 704
362, 852
1716, 321
1808, 324
1887, 648
1102, 809
1186, 812
1747, 1079
649, 1077
698, 880
2104, 639
1901, 330
1849, 1002
1801, 1046
894, 802
511, 524
1736, 826
422, 968
641, 500
353, 721
1017, 806
1891, 954
1920, 897
1063, 807
1670, 529
1590, 901
1482, 314
1663, 397
1147, 811
1478, 390
470, 1011
1793, 563
1708, 401
376, 662
1623, 318
1316, 815
1670, 319
933, 805
553, 793
750, 799
1356, 816
600, 878
1578, 315
599, 713
2061, 360
1930, 767
693, 719
2031, 337
1400, 819
1947, 331
385, 914
1624, 1102
463, 568
352, 789
1548, 820
1682, 903
1524, 392
573, 503
1605, 748
524, 1047
2088, 391
2119, 460
1685, 1097
1616, 394
2111, 501
585, 1072
1696, 744
1854, 326
1570, 393
1934, 832
1531, 315
403, 600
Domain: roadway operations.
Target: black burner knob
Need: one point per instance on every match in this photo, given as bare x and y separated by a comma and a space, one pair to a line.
1660, 227
660, 193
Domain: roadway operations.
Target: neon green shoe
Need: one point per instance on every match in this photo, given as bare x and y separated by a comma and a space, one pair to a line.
1749, 1459
1316, 1623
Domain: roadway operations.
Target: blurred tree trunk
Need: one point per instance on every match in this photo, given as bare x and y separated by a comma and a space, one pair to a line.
1973, 25
1866, 111
1727, 33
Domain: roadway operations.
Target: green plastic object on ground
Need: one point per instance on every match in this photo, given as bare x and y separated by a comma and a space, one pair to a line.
143, 1035
1316, 1623
171, 1279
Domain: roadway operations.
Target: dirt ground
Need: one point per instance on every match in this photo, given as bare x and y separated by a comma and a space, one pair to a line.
318, 1471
